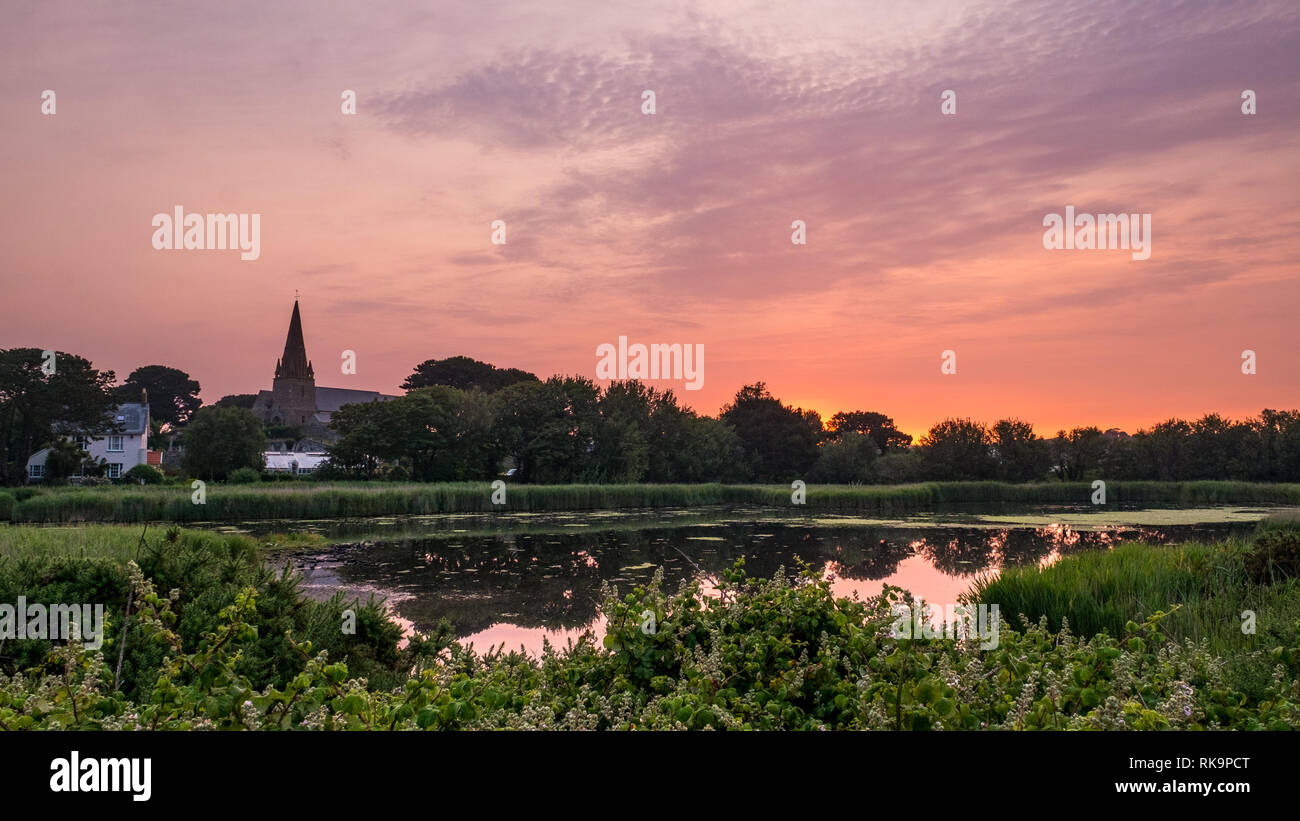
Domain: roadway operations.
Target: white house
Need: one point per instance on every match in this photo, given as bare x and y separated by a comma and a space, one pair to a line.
122, 451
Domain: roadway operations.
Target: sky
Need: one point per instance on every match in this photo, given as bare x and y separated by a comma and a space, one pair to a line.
924, 230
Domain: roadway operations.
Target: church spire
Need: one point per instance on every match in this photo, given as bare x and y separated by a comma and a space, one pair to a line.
294, 363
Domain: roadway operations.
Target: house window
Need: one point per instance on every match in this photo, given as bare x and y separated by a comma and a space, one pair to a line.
115, 470
36, 471
114, 444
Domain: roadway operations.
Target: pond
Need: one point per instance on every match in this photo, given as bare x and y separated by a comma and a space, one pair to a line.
519, 579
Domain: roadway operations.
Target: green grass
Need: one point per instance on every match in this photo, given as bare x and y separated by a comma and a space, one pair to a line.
114, 543
356, 499
1102, 591
118, 544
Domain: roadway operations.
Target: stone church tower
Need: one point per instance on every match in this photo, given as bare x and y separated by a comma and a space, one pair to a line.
296, 402
293, 392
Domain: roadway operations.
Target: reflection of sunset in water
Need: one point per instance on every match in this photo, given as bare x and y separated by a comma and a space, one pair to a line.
517, 590
508, 637
916, 574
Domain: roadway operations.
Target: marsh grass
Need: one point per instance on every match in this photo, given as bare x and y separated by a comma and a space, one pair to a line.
1206, 585
357, 499
113, 543
1101, 591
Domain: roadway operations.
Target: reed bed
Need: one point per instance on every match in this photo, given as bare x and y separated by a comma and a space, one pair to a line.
127, 504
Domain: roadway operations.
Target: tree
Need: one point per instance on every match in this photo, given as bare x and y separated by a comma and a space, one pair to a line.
622, 443
236, 400
1279, 443
1079, 454
878, 427
845, 460
1022, 455
65, 457
1222, 449
464, 373
37, 407
958, 449
221, 440
549, 428
364, 438
1166, 450
1123, 459
435, 434
685, 447
173, 396
901, 467
455, 430
779, 442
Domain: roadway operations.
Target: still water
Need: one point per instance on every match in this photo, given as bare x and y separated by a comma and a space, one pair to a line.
519, 579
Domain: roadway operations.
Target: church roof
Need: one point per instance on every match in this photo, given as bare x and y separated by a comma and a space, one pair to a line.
294, 363
329, 400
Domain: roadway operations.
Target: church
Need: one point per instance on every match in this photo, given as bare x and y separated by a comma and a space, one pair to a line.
295, 401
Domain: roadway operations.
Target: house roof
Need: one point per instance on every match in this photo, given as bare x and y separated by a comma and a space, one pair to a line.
133, 417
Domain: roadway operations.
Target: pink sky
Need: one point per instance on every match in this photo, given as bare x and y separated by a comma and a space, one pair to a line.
924, 230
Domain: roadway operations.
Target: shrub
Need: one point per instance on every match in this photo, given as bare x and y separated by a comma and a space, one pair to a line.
245, 476
144, 474
208, 571
1274, 556
778, 654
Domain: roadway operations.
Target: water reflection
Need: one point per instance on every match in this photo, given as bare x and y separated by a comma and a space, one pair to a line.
519, 588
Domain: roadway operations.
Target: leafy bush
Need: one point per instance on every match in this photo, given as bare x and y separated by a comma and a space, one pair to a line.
7, 503
760, 654
245, 476
1275, 556
146, 474
206, 572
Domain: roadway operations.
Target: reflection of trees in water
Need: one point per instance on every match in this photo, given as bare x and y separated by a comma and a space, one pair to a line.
535, 581
872, 554
960, 551
553, 581
966, 551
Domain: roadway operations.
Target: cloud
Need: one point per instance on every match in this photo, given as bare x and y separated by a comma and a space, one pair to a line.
699, 197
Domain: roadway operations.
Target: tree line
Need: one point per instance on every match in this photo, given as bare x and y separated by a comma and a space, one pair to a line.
567, 429
462, 420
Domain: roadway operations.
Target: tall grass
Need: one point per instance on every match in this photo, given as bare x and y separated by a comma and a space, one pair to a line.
114, 543
356, 499
1217, 602
1103, 590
